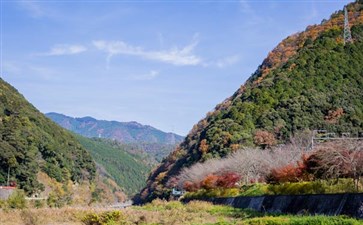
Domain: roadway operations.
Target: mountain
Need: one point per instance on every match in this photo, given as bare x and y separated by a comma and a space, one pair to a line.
311, 80
125, 132
31, 144
129, 171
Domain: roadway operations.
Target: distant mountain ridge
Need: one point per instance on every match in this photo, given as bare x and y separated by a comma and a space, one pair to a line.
125, 132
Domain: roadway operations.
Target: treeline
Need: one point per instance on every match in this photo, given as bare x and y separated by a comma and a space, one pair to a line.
30, 143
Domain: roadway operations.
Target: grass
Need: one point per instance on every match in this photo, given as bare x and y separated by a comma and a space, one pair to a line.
163, 213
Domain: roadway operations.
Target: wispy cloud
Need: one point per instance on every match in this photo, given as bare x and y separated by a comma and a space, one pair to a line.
227, 61
23, 71
148, 76
64, 49
176, 56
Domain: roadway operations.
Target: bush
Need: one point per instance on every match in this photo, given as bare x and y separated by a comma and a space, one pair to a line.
106, 218
17, 200
254, 190
297, 188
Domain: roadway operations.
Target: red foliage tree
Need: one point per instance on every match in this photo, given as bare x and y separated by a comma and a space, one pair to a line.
228, 180
190, 186
209, 182
290, 172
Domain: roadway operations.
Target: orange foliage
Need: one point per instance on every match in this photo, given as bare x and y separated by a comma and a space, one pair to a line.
264, 138
209, 182
235, 147
334, 115
289, 46
203, 147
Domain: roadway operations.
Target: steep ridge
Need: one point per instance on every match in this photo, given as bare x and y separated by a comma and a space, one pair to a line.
129, 171
311, 80
125, 132
31, 143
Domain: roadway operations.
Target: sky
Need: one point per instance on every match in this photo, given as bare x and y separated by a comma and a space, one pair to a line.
160, 63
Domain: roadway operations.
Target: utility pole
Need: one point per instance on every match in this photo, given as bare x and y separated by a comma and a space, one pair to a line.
347, 33
7, 183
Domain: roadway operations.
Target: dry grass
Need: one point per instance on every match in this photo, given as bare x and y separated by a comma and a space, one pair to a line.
46, 216
158, 212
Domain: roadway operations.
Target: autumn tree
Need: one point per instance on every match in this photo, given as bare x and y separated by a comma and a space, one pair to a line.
264, 139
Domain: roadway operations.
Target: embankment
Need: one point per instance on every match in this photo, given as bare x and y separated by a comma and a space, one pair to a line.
326, 204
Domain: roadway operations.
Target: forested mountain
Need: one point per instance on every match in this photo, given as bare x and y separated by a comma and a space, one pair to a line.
31, 143
129, 171
125, 132
311, 80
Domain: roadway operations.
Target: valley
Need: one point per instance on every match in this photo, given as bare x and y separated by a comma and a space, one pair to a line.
286, 147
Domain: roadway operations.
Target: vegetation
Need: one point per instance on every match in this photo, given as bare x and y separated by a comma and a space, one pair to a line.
333, 167
129, 171
162, 212
30, 143
311, 80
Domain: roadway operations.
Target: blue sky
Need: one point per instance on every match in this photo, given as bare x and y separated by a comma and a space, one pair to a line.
160, 63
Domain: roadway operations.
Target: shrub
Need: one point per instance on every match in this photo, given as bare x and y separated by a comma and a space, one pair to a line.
106, 218
17, 200
254, 190
297, 188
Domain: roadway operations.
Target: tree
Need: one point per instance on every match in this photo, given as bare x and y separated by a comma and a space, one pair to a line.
264, 139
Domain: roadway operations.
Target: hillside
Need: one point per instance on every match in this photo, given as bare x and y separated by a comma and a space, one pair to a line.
31, 143
125, 132
311, 80
127, 170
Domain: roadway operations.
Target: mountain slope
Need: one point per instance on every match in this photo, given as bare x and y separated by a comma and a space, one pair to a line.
30, 143
126, 132
311, 80
129, 171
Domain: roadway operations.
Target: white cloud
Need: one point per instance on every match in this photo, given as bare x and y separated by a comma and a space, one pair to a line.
65, 49
176, 56
227, 61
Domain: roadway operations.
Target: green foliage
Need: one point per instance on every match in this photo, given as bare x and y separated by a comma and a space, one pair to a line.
297, 188
300, 220
254, 190
129, 171
211, 193
284, 96
30, 142
17, 200
106, 218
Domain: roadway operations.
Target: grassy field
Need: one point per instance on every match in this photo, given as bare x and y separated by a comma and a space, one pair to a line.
160, 212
